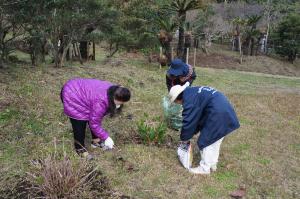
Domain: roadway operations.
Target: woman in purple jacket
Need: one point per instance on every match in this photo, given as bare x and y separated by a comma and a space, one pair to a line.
88, 101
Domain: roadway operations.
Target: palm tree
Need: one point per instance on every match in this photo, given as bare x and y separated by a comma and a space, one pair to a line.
181, 7
165, 36
239, 24
252, 33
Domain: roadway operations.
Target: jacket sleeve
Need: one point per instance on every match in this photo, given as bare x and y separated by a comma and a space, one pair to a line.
95, 121
191, 116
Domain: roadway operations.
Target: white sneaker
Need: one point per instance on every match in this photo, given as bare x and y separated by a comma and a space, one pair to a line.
213, 167
199, 170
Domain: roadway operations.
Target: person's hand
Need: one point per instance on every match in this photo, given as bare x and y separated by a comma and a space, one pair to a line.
185, 142
109, 143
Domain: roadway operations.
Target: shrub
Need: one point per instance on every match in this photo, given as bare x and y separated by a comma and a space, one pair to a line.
56, 177
152, 131
287, 37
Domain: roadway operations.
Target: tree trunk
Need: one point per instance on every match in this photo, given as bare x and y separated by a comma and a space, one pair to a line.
207, 43
33, 58
168, 52
1, 62
237, 37
63, 55
75, 50
196, 43
268, 27
240, 49
187, 44
68, 54
94, 52
79, 53
249, 46
252, 47
84, 50
56, 56
180, 47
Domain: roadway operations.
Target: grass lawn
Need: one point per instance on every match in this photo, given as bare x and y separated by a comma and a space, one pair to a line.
263, 155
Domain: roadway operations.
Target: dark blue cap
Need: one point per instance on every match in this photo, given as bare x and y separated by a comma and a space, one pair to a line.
178, 68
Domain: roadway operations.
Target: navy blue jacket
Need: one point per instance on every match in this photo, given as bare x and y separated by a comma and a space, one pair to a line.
208, 111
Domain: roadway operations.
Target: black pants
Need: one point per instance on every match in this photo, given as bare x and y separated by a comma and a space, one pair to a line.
79, 127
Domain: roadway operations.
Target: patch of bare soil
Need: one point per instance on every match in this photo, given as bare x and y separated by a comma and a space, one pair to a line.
260, 64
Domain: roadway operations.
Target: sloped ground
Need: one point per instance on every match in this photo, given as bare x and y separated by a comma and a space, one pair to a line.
222, 58
263, 155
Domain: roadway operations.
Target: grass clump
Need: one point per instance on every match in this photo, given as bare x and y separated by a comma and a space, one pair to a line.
55, 177
152, 131
7, 115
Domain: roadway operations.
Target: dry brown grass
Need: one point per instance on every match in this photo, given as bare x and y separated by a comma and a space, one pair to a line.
55, 178
222, 58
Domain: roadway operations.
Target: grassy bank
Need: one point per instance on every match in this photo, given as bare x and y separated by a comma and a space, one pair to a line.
262, 155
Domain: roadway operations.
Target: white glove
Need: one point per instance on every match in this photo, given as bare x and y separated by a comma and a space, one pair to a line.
108, 143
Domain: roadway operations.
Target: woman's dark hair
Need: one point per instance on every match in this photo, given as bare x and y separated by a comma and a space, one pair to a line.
122, 94
119, 93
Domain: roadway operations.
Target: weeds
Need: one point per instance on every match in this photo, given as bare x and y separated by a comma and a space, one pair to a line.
7, 115
152, 131
56, 177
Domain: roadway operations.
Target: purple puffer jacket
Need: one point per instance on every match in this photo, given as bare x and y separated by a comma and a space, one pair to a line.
86, 99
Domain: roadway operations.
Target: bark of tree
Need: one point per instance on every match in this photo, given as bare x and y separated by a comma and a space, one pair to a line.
237, 37
180, 47
187, 44
94, 52
268, 26
240, 49
63, 55
79, 54
84, 49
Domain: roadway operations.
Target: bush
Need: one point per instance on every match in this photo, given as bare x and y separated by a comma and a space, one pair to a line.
56, 177
287, 37
152, 131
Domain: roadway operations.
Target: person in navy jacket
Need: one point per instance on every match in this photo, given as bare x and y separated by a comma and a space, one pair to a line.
208, 111
179, 73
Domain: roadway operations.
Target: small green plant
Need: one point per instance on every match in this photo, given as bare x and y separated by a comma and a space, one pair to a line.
152, 131
7, 115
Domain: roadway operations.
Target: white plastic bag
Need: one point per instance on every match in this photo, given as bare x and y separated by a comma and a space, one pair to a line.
185, 154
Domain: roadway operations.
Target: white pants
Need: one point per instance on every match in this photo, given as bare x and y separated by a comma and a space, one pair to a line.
210, 155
